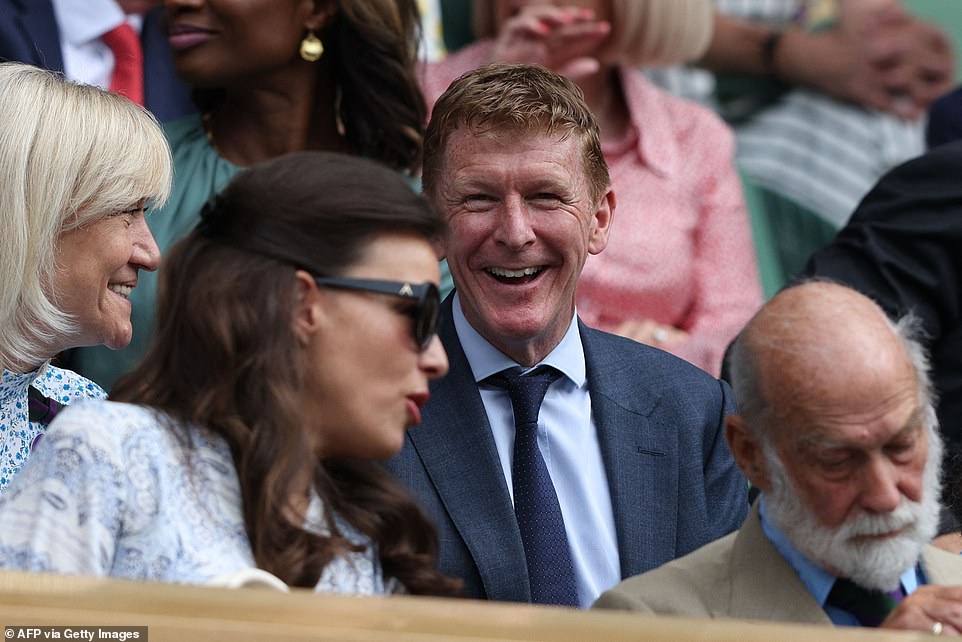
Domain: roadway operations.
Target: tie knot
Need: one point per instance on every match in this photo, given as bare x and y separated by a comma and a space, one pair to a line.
122, 40
527, 391
869, 606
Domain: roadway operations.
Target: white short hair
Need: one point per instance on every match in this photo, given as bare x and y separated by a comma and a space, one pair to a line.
70, 154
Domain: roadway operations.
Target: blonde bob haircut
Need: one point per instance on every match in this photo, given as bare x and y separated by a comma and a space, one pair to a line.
70, 155
644, 33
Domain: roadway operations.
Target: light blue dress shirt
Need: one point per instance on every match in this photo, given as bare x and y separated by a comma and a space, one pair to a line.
568, 439
817, 580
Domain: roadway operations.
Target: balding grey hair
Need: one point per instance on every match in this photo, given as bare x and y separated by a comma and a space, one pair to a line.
759, 412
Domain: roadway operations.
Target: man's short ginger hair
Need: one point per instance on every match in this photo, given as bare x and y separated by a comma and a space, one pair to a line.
522, 99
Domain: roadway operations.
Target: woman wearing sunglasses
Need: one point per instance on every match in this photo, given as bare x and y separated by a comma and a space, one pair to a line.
294, 347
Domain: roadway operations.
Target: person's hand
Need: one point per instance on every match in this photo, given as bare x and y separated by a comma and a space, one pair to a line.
652, 333
878, 55
562, 39
913, 59
932, 73
932, 608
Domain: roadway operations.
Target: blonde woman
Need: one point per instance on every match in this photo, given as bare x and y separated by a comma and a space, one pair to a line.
78, 166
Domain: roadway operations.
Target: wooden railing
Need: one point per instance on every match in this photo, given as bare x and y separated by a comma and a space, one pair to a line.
183, 613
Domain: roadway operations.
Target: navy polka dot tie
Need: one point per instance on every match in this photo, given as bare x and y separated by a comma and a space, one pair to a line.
536, 506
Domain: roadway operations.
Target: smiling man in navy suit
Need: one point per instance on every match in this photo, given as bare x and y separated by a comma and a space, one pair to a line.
628, 438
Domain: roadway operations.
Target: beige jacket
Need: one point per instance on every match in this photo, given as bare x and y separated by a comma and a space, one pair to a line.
742, 576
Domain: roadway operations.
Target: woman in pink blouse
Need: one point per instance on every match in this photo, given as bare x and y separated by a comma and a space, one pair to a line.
679, 271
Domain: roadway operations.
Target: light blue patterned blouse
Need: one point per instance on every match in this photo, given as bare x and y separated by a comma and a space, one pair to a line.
17, 432
111, 490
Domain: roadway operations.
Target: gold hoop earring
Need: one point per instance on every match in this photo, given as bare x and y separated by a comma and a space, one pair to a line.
311, 47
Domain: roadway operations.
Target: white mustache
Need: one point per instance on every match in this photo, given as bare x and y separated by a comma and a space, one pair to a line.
868, 525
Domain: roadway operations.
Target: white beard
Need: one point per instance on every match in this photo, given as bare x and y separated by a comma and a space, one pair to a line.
869, 563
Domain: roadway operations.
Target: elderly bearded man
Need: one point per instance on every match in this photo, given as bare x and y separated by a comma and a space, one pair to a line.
838, 431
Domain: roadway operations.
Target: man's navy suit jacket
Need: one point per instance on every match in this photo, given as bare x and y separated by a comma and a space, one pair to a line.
674, 485
29, 33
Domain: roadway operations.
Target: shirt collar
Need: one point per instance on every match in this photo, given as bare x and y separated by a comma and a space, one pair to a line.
82, 21
652, 137
485, 360
14, 384
817, 580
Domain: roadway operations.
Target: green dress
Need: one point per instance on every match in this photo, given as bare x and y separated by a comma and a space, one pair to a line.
199, 173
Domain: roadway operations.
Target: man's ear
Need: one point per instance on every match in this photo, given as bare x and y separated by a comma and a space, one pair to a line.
439, 242
747, 451
439, 248
601, 222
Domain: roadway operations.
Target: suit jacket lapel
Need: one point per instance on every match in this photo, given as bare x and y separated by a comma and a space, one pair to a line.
40, 27
941, 567
764, 586
637, 460
165, 94
458, 451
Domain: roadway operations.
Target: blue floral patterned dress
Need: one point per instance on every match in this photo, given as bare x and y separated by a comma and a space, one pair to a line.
17, 433
112, 490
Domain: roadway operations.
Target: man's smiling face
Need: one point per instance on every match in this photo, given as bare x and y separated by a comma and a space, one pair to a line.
521, 223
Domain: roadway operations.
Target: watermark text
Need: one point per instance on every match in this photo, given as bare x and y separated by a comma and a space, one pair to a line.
82, 633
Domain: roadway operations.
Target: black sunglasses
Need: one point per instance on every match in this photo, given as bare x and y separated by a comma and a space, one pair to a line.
425, 313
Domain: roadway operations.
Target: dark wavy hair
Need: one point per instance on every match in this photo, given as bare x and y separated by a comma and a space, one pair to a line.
225, 355
375, 56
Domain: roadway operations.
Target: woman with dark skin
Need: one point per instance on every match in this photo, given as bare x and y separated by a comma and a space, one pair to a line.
277, 77
273, 77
